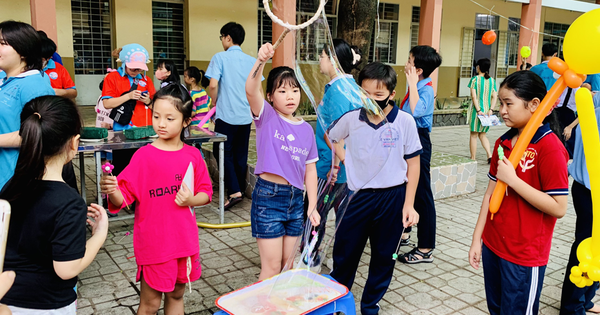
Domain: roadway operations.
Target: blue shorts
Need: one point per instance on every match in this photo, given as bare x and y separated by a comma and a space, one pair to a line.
277, 210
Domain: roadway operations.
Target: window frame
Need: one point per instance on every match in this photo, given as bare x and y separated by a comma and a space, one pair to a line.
99, 35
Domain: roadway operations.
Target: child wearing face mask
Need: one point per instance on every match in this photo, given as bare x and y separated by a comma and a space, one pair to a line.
384, 192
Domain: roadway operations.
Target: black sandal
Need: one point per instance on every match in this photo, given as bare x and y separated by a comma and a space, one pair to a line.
405, 241
411, 257
232, 201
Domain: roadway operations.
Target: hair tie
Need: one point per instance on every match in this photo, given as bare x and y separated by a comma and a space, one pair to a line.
38, 114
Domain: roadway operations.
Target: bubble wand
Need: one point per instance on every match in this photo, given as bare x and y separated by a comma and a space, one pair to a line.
107, 169
287, 26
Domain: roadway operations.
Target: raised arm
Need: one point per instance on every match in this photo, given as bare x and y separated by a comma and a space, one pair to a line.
253, 84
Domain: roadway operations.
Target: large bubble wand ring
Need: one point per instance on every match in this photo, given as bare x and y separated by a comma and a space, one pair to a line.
288, 27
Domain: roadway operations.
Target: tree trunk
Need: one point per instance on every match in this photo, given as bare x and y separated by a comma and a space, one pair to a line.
355, 24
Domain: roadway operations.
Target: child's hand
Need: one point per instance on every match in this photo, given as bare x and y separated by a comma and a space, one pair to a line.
145, 98
410, 216
100, 219
265, 52
475, 254
135, 95
411, 74
506, 172
184, 196
334, 174
108, 184
315, 218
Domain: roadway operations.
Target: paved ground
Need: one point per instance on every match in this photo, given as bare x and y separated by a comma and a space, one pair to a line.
230, 258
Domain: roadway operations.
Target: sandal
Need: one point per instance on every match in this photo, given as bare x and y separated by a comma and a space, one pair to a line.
232, 202
405, 241
411, 258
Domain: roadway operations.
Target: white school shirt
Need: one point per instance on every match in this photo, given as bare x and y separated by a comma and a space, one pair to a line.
376, 154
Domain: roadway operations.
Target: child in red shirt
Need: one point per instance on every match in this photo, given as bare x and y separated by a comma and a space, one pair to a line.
516, 244
60, 80
165, 238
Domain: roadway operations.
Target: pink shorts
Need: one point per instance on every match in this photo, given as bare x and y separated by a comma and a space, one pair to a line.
162, 277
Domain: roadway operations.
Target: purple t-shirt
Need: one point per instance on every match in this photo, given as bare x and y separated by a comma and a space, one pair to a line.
283, 147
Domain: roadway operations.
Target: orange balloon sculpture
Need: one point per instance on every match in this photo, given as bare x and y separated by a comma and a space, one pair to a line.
489, 37
568, 78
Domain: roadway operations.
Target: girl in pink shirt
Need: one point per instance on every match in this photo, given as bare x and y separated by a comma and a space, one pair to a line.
165, 238
286, 157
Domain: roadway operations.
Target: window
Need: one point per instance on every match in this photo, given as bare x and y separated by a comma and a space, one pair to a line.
167, 33
513, 41
486, 21
467, 52
559, 31
384, 38
92, 40
514, 24
308, 38
414, 26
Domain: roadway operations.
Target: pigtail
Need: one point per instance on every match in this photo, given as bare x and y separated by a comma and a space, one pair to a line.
204, 81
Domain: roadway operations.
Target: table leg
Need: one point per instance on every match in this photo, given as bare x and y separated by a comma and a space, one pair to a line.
82, 176
98, 156
222, 181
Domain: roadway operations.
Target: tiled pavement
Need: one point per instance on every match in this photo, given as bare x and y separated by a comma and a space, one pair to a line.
230, 258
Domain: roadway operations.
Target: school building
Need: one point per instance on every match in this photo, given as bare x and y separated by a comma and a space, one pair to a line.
187, 31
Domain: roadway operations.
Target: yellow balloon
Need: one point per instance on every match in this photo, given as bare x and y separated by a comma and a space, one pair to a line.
581, 283
584, 266
591, 148
581, 41
576, 271
594, 273
584, 251
525, 51
575, 279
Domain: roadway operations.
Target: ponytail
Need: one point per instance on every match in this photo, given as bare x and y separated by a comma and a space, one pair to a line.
48, 124
198, 75
484, 65
486, 75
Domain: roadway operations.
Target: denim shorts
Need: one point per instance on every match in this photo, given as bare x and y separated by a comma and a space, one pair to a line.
277, 210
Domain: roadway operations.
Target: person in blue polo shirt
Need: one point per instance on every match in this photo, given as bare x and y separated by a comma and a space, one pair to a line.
227, 72
21, 80
418, 102
549, 50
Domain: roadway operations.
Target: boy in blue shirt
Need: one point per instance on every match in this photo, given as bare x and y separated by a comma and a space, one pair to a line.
549, 50
418, 102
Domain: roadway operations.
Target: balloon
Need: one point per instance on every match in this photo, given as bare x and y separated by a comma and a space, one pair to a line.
581, 41
572, 79
581, 284
558, 65
207, 117
489, 37
594, 273
584, 252
576, 271
591, 148
525, 51
525, 137
575, 279
584, 266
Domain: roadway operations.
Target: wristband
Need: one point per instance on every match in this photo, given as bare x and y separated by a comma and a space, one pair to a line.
336, 167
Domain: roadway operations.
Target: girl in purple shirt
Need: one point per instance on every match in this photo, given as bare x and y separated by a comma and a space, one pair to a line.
286, 162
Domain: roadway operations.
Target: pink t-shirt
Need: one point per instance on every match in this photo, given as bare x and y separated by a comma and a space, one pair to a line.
162, 230
284, 147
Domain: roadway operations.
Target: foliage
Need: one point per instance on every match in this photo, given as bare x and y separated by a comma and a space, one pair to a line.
305, 108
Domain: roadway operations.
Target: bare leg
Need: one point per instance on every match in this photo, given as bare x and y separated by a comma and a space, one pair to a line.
149, 300
485, 143
271, 252
289, 244
174, 300
473, 145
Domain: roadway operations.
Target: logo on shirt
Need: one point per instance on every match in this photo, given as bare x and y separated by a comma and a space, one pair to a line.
53, 75
389, 137
290, 137
142, 83
526, 162
290, 148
